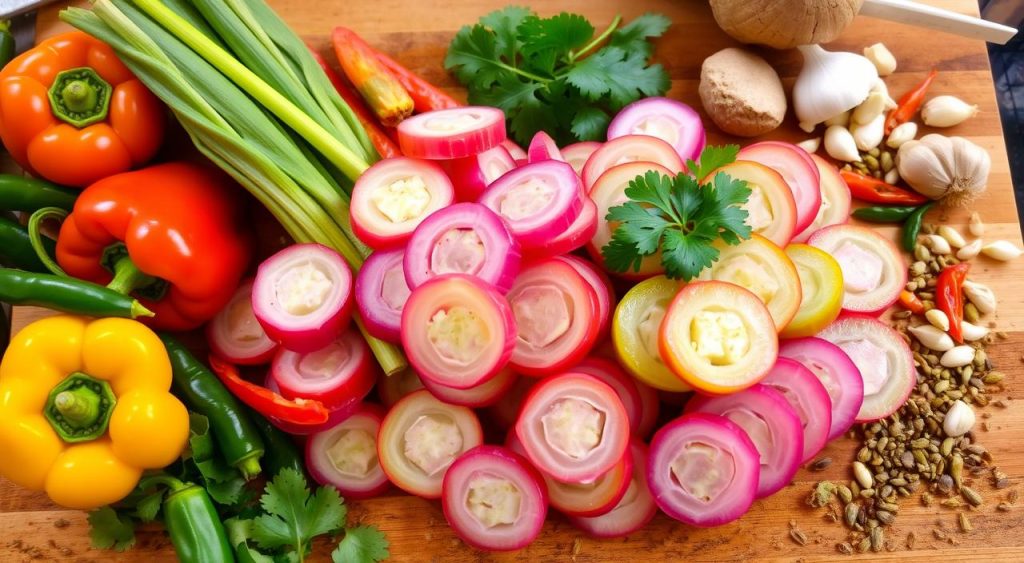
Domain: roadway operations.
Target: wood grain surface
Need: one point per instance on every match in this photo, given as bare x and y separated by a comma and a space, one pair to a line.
417, 34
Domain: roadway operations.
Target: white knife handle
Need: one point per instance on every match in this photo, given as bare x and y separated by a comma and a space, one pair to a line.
922, 15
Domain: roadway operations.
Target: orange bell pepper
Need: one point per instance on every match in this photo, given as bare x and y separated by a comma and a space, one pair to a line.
72, 113
173, 235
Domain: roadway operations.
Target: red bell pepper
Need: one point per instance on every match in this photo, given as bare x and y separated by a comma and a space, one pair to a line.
173, 235
867, 188
425, 96
949, 297
265, 401
909, 104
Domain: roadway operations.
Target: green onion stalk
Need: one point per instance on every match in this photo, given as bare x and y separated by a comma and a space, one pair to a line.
279, 130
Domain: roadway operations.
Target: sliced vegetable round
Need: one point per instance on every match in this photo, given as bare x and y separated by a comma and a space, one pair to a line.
543, 147
883, 358
630, 148
458, 331
634, 510
770, 422
471, 175
345, 455
393, 196
821, 290
483, 395
771, 209
809, 399
392, 388
381, 293
761, 267
577, 154
494, 500
335, 416
718, 337
420, 438
799, 171
573, 427
610, 373
703, 470
835, 200
538, 201
302, 296
635, 332
515, 151
556, 314
451, 133
602, 287
874, 272
577, 235
337, 374
465, 238
673, 122
650, 406
836, 371
235, 334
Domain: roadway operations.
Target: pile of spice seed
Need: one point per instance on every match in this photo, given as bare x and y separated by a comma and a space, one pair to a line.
930, 442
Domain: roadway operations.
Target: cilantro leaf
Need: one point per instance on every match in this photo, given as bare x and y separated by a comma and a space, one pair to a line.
504, 24
682, 255
362, 544
646, 226
559, 34
590, 124
711, 158
620, 74
633, 37
109, 530
148, 508
294, 516
473, 55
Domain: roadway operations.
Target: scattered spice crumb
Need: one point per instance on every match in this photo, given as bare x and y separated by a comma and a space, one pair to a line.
577, 547
1003, 507
965, 523
939, 534
61, 523
1011, 496
911, 539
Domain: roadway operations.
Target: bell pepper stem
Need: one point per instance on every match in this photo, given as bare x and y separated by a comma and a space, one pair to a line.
80, 407
128, 277
35, 236
80, 97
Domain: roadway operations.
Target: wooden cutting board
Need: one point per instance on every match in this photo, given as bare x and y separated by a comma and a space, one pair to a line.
417, 34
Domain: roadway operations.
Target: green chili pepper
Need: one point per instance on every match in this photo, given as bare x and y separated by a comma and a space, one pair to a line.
884, 213
16, 248
232, 427
192, 522
912, 226
6, 43
282, 452
68, 295
21, 193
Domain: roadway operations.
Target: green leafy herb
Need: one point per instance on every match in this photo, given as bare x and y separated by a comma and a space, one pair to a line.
109, 530
224, 483
553, 74
294, 516
362, 544
680, 216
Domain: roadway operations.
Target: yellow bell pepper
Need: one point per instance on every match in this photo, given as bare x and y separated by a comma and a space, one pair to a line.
85, 407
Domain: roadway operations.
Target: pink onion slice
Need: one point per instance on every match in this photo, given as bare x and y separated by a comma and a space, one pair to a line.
635, 509
602, 285
451, 133
538, 201
673, 122
625, 387
577, 154
472, 175
381, 292
631, 148
483, 395
543, 147
394, 196
835, 200
874, 270
703, 470
808, 397
799, 171
458, 331
302, 296
836, 371
883, 359
345, 455
235, 334
465, 238
337, 375
494, 500
515, 151
774, 427
577, 235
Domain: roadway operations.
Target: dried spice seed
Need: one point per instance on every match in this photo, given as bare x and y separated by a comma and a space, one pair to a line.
965, 523
939, 534
864, 545
844, 493
821, 464
844, 548
1012, 496
822, 494
1003, 507
877, 537
972, 496
850, 514
798, 536
926, 499
911, 540
952, 502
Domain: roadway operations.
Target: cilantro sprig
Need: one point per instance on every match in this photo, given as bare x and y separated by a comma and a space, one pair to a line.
554, 74
680, 217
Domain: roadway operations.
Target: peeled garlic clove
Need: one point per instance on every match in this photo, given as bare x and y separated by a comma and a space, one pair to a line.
938, 319
932, 337
957, 357
882, 58
892, 176
1002, 250
879, 86
807, 127
839, 119
952, 236
972, 332
937, 244
975, 226
959, 419
869, 109
870, 135
982, 297
901, 134
810, 145
946, 111
839, 144
830, 83
969, 251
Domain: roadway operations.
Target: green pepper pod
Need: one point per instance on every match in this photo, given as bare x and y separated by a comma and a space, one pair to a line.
912, 226
7, 49
16, 247
195, 527
884, 213
232, 427
21, 193
282, 453
68, 295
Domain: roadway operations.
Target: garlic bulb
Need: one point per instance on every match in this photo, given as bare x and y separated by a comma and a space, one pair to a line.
870, 135
882, 58
840, 145
830, 83
946, 111
952, 169
901, 134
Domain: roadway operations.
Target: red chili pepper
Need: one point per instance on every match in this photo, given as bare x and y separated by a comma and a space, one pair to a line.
381, 90
949, 297
385, 146
867, 188
425, 96
265, 401
909, 104
911, 302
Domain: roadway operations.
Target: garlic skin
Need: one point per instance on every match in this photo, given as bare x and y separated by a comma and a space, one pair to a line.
882, 58
982, 297
901, 134
959, 419
810, 145
969, 251
1002, 250
840, 145
946, 111
830, 83
870, 135
932, 337
952, 169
